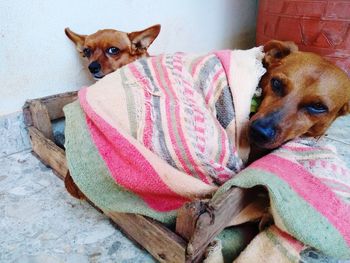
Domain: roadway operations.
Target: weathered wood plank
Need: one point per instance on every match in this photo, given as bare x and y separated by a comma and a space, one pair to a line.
159, 241
41, 118
27, 115
48, 152
217, 215
187, 217
72, 188
54, 104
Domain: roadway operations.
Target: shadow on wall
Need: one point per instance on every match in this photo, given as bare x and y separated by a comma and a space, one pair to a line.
243, 15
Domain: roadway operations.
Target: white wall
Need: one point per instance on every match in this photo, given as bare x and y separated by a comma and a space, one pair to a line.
36, 58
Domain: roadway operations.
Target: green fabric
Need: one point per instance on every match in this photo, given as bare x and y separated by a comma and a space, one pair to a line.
256, 101
294, 212
91, 175
235, 239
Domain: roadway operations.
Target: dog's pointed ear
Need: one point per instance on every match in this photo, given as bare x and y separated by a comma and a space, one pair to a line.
141, 40
276, 50
77, 39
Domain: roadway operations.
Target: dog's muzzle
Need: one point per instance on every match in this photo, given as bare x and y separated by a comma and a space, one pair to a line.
263, 131
94, 67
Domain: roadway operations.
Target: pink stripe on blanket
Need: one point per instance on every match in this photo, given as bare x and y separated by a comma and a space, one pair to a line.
311, 189
224, 145
147, 134
336, 185
127, 165
225, 58
212, 86
300, 148
297, 245
196, 65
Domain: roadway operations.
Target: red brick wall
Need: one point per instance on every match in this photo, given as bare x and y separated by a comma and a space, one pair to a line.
318, 26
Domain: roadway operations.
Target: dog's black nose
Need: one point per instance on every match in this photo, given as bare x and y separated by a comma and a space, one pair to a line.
261, 131
94, 67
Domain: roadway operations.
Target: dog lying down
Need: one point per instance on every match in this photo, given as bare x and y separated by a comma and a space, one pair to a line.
191, 113
164, 130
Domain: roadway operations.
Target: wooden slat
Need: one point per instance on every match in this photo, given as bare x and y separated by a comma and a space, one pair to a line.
187, 217
41, 119
72, 188
27, 115
54, 105
218, 214
159, 241
48, 152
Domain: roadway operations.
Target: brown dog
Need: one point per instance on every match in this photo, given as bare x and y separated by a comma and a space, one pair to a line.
108, 49
302, 95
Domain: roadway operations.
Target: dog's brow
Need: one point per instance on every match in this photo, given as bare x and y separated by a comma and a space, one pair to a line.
309, 80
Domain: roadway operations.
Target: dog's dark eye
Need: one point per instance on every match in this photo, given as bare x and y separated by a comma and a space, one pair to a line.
277, 86
316, 108
113, 50
87, 52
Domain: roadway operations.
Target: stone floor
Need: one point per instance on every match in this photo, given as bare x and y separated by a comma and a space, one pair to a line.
41, 223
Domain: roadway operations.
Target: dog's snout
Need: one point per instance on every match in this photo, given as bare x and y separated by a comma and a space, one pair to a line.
94, 67
262, 131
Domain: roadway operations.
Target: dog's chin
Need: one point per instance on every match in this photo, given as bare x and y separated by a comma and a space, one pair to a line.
98, 77
270, 145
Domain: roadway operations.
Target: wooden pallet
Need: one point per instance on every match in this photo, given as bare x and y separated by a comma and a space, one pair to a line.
197, 224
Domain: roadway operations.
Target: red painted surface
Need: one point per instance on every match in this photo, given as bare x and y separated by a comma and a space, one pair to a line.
320, 26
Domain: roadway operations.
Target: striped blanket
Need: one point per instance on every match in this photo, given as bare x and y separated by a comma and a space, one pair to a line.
309, 191
166, 130
168, 127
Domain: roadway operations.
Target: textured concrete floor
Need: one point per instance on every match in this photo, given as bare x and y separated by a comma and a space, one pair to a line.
41, 223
